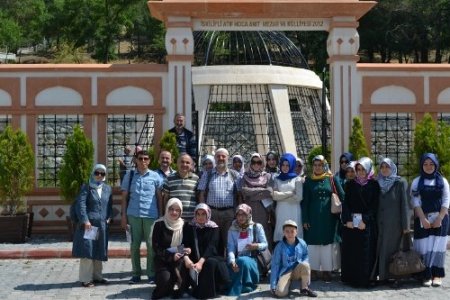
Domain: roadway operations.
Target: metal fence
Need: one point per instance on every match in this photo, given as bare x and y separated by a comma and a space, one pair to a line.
52, 131
392, 136
126, 130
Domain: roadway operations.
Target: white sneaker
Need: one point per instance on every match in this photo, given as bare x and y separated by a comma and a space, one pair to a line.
427, 283
437, 281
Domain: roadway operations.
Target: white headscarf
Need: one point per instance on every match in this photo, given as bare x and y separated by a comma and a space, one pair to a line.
175, 225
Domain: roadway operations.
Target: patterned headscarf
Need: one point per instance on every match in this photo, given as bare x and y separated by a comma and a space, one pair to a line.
255, 173
435, 175
325, 168
175, 225
208, 223
386, 182
93, 183
239, 157
367, 164
290, 158
208, 158
248, 211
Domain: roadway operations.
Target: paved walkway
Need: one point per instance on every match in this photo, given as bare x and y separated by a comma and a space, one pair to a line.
50, 278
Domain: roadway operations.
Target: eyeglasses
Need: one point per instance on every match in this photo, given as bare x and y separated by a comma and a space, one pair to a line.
143, 158
97, 173
257, 162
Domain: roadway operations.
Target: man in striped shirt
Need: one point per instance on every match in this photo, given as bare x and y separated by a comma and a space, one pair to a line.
182, 185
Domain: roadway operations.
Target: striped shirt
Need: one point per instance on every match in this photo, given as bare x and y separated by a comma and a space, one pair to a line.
221, 188
185, 190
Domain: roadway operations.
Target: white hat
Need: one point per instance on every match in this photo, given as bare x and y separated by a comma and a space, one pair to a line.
290, 223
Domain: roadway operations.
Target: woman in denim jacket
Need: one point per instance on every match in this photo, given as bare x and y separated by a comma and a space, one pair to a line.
243, 267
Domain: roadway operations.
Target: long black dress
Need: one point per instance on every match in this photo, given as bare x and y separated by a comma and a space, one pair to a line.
214, 274
359, 246
167, 271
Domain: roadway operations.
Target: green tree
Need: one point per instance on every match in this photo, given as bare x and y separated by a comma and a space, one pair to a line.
77, 164
16, 170
434, 137
167, 142
357, 143
10, 33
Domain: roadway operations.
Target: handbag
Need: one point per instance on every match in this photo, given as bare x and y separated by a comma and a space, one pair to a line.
263, 257
406, 261
336, 204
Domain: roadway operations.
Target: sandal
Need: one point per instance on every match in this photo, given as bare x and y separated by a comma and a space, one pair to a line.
87, 284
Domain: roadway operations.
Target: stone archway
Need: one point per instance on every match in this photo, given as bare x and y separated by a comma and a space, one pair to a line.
338, 17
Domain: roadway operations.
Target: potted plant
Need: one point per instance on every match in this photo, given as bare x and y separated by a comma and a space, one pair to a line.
16, 179
76, 167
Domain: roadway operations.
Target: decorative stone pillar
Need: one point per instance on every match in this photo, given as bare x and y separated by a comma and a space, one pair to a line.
342, 47
180, 53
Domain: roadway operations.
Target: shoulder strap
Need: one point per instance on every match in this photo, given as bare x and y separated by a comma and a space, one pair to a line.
333, 186
129, 186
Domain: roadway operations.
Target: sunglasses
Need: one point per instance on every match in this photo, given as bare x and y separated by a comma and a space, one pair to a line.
256, 162
97, 173
143, 158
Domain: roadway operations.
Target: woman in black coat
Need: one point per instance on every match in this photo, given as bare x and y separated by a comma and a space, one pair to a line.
93, 209
201, 235
167, 236
359, 235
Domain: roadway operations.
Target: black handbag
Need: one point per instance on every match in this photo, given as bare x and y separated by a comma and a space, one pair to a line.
406, 261
263, 257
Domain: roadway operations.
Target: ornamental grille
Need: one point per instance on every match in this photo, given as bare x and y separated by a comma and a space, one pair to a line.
52, 131
126, 130
392, 136
306, 112
5, 120
240, 119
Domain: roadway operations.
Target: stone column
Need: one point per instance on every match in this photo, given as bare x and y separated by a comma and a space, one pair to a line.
342, 48
180, 53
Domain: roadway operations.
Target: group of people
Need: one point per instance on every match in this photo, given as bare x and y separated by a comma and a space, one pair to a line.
202, 231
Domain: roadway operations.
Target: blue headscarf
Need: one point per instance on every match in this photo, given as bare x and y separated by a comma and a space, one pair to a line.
93, 183
291, 159
386, 182
435, 175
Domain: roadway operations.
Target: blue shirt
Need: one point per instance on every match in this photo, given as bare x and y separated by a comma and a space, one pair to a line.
232, 242
283, 260
143, 202
221, 188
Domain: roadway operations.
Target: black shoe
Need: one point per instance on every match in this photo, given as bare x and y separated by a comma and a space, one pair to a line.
101, 281
135, 280
308, 292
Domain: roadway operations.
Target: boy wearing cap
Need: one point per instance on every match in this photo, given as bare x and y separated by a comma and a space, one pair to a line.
290, 262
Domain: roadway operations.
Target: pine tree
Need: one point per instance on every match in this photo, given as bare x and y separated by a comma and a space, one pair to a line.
434, 137
357, 143
77, 164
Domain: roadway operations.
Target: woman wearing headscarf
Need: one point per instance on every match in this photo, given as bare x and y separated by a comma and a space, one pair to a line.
238, 164
94, 210
167, 236
344, 161
288, 193
300, 168
359, 238
430, 200
320, 226
392, 218
208, 163
201, 235
257, 193
350, 171
272, 162
244, 236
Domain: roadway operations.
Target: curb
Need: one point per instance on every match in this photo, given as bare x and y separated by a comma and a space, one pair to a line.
43, 253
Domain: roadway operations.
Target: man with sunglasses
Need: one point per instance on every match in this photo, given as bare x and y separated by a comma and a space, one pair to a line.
141, 209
